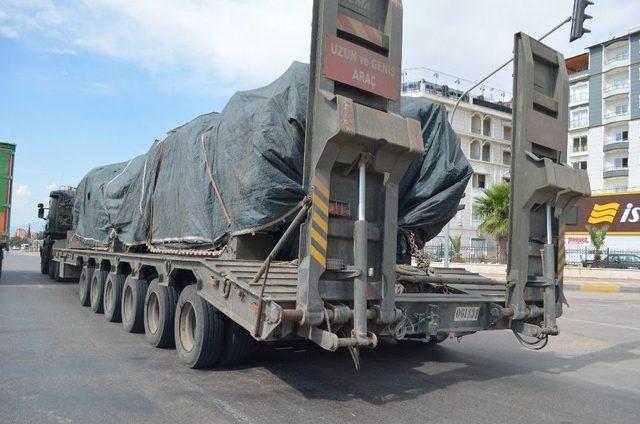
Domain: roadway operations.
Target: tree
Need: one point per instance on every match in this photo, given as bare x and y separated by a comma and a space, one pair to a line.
456, 246
493, 210
597, 236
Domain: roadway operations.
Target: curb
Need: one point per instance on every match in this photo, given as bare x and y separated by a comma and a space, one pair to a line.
602, 288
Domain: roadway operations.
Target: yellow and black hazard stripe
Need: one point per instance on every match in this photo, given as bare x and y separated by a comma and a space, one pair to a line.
360, 29
319, 223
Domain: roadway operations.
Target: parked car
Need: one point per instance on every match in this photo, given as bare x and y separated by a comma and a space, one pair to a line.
616, 260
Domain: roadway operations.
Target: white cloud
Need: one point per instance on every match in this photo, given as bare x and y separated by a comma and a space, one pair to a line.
61, 51
22, 192
225, 44
8, 32
52, 186
215, 42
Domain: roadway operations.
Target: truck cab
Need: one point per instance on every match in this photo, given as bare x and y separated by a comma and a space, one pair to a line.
59, 220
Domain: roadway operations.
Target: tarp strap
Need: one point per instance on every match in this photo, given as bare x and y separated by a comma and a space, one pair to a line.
213, 182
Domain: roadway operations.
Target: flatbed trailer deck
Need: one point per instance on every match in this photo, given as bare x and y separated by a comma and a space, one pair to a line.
227, 284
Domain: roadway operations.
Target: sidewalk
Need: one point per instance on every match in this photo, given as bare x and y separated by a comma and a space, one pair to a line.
576, 278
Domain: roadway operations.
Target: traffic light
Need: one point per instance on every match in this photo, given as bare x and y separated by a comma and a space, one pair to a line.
578, 18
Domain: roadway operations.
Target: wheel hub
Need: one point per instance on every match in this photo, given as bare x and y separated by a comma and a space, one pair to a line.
187, 327
127, 305
153, 313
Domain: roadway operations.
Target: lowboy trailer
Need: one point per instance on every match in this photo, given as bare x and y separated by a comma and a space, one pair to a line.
346, 289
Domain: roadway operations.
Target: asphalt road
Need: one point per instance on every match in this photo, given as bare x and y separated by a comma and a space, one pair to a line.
59, 362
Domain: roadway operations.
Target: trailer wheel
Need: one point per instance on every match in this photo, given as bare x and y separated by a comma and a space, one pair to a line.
237, 344
199, 330
159, 311
84, 288
113, 297
132, 308
97, 291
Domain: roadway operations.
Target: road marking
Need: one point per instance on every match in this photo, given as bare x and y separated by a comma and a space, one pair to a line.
34, 286
601, 288
604, 324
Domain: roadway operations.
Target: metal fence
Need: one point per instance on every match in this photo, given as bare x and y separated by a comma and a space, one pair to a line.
469, 254
610, 258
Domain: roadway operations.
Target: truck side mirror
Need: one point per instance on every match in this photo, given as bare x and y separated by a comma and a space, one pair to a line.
40, 211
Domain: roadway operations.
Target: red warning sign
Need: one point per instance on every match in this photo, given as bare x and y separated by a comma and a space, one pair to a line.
356, 66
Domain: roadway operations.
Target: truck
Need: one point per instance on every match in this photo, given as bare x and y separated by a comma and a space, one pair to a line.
7, 155
347, 286
59, 221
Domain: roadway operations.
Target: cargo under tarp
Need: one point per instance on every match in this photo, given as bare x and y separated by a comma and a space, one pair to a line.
240, 171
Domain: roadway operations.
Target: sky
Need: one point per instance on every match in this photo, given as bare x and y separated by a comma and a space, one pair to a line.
90, 82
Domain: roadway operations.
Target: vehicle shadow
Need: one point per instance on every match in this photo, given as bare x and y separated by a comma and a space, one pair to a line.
394, 373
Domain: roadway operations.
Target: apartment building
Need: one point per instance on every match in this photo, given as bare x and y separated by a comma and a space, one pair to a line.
604, 103
485, 130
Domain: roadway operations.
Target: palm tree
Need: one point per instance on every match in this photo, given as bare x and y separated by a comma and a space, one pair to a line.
456, 246
493, 210
597, 236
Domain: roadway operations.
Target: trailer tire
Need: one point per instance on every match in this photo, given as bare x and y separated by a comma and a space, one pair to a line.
132, 307
97, 291
84, 286
159, 311
113, 297
199, 330
238, 344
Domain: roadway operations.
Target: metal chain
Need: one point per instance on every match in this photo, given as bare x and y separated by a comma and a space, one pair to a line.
423, 260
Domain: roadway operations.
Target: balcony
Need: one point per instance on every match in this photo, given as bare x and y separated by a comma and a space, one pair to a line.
573, 76
615, 172
619, 59
613, 144
615, 116
579, 123
578, 150
578, 99
618, 87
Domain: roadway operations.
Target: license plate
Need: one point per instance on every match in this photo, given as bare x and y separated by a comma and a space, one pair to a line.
467, 313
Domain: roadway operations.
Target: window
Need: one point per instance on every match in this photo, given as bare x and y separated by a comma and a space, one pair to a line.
507, 132
622, 136
621, 162
580, 144
475, 150
579, 118
622, 187
579, 93
474, 214
478, 243
476, 124
621, 109
479, 181
506, 157
486, 152
580, 165
486, 126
